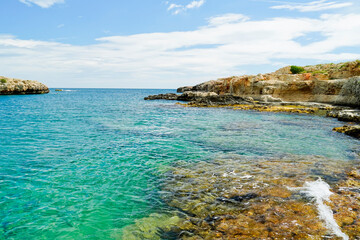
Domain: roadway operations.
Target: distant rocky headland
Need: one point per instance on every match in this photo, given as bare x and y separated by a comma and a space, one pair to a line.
329, 89
12, 86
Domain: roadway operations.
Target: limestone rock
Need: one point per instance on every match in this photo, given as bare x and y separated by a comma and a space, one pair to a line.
325, 83
12, 86
345, 115
191, 96
269, 98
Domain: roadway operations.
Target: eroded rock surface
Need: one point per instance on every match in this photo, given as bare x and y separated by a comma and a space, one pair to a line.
12, 86
325, 83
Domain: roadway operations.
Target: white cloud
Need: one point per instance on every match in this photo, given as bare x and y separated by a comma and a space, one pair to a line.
228, 18
313, 6
178, 8
195, 4
225, 47
42, 3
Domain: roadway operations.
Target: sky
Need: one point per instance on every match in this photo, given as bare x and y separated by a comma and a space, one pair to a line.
168, 44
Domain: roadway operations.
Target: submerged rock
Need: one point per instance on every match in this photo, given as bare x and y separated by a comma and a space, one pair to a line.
152, 227
238, 199
12, 86
251, 199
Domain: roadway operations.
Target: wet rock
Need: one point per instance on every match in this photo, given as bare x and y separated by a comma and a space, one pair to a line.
278, 192
225, 205
219, 100
196, 96
153, 227
237, 199
217, 200
355, 173
351, 130
345, 115
167, 96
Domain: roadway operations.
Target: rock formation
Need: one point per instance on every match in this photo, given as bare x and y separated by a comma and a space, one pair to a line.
12, 86
351, 130
325, 83
324, 89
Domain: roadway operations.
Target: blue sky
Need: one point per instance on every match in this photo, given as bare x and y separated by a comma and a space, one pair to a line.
167, 44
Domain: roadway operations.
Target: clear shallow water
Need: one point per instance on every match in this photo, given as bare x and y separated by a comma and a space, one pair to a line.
84, 164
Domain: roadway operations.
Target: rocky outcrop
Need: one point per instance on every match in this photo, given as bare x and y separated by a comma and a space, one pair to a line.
346, 115
205, 99
167, 96
12, 86
325, 89
351, 130
325, 83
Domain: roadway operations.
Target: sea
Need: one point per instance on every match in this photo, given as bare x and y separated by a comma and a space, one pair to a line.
89, 163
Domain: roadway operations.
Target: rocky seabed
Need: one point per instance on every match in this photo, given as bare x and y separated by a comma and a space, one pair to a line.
294, 197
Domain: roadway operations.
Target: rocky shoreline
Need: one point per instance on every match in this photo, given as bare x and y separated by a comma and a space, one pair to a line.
12, 86
331, 90
240, 198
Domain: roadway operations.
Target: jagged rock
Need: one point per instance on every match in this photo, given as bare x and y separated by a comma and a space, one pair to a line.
184, 89
193, 96
12, 86
353, 131
167, 96
220, 100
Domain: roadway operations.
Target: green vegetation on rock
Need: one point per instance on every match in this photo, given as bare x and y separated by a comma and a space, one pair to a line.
296, 69
3, 80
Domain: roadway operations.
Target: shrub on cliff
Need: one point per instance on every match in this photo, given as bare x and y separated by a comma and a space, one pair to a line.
3, 80
296, 69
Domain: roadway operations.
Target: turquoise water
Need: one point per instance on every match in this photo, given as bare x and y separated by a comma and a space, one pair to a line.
84, 164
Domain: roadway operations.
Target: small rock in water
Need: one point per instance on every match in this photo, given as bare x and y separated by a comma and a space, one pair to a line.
353, 131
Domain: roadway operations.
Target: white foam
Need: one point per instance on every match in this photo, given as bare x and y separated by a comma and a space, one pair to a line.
320, 191
246, 177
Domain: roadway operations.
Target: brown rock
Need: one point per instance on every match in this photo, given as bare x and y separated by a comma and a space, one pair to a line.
353, 131
325, 83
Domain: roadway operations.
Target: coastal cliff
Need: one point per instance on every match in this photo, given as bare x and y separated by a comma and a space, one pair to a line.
12, 86
337, 84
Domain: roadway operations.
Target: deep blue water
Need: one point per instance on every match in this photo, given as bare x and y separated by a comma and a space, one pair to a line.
84, 164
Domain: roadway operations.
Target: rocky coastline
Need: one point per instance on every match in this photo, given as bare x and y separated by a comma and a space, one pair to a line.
240, 198
331, 90
12, 86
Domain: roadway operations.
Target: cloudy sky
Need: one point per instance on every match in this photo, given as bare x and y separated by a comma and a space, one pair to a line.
167, 44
